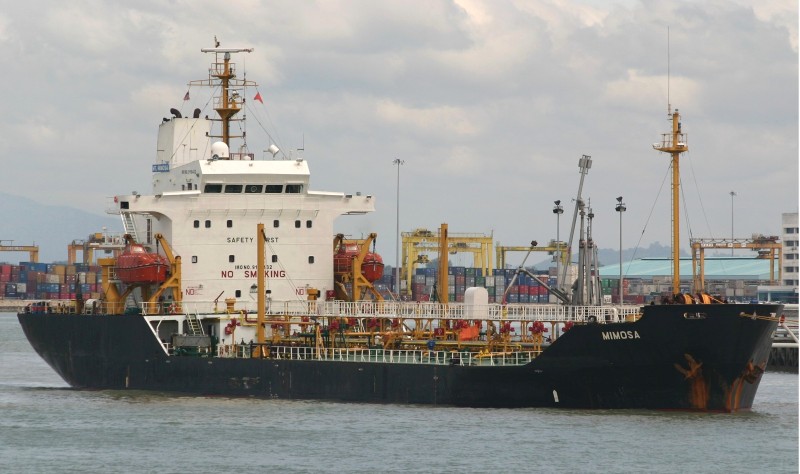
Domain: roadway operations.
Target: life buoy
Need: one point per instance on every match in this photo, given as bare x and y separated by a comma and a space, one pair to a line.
592, 319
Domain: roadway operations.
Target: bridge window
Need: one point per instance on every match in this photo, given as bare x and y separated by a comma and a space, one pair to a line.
274, 189
253, 188
233, 188
294, 188
213, 188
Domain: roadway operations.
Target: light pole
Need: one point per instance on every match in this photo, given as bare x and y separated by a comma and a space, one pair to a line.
558, 210
398, 162
732, 193
620, 208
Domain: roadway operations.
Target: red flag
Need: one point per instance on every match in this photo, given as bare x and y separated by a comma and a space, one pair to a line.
186, 97
258, 97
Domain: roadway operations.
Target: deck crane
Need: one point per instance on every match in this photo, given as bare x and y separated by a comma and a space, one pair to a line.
584, 164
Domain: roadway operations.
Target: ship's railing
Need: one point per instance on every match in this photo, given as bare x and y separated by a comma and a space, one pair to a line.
427, 310
384, 356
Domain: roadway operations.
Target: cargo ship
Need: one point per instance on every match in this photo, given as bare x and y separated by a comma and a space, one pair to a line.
246, 290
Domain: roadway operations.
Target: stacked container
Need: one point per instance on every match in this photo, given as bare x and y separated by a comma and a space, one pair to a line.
43, 281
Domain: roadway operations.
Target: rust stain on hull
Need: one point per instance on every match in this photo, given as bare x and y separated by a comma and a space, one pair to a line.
750, 374
698, 392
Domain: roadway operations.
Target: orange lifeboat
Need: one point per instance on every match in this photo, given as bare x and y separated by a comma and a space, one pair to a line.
137, 265
371, 268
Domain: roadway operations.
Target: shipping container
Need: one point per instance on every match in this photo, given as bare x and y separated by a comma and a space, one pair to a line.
53, 278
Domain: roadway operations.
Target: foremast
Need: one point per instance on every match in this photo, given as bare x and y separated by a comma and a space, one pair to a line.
675, 143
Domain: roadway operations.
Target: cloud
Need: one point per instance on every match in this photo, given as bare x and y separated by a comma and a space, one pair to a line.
490, 103
436, 121
639, 90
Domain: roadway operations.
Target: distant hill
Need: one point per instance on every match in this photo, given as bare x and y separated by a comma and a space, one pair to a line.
655, 250
52, 228
611, 256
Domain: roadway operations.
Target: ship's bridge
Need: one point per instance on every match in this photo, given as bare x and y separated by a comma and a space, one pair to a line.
253, 177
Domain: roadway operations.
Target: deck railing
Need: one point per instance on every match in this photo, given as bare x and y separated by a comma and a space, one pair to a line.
364, 355
425, 310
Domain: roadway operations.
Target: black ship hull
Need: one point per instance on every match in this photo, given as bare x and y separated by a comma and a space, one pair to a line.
685, 357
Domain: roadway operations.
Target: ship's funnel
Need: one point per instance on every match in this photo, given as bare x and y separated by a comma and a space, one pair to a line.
273, 149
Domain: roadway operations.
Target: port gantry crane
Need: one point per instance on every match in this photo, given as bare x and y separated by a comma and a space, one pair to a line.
97, 242
420, 242
551, 248
33, 250
766, 246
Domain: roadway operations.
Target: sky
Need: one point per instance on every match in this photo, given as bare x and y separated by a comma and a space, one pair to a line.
490, 105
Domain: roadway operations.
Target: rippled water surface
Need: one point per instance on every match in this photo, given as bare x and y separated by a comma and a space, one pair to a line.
47, 427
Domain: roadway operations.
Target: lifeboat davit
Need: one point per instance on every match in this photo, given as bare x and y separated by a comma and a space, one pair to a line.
137, 265
371, 268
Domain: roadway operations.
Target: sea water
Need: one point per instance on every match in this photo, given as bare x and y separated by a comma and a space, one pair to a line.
47, 427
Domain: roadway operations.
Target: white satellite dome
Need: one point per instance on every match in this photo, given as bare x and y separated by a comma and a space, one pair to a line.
219, 151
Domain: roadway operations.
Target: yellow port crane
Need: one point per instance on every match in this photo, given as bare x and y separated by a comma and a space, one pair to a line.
418, 243
551, 248
766, 246
98, 241
33, 250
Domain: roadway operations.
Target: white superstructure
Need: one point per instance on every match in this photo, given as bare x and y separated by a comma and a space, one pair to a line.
207, 204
